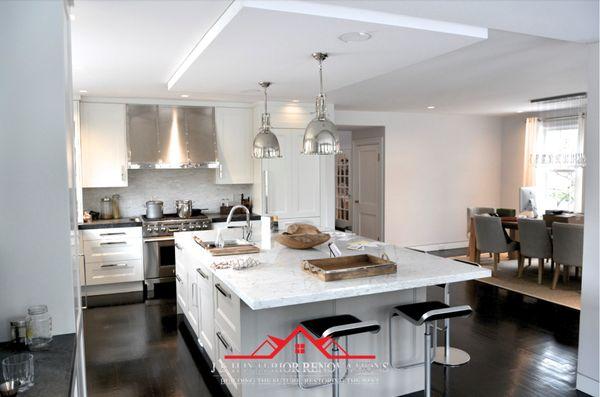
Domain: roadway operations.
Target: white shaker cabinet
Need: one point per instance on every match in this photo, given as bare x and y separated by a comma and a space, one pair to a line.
234, 145
292, 183
103, 144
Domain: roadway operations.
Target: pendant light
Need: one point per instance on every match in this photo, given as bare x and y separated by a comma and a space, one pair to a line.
266, 145
320, 136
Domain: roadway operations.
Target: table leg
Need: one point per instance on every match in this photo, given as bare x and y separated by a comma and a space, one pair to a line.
512, 233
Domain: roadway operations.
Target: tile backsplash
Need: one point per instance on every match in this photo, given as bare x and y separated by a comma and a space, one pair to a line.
166, 185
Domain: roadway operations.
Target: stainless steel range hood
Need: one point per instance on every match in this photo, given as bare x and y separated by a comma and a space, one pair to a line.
171, 136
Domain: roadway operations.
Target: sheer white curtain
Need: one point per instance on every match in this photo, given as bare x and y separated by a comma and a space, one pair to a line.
532, 128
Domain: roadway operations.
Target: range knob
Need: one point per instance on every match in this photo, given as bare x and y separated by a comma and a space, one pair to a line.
163, 229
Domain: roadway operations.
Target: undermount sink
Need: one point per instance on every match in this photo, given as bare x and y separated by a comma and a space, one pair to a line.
228, 243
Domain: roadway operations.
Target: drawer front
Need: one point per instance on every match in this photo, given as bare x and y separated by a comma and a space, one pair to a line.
112, 250
114, 272
111, 233
228, 369
227, 311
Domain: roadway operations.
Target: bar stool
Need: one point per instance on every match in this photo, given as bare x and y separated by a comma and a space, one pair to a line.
447, 355
428, 313
335, 327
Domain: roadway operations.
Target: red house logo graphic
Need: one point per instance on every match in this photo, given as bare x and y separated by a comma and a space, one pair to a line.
271, 347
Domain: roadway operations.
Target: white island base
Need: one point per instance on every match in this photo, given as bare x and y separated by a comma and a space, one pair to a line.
277, 376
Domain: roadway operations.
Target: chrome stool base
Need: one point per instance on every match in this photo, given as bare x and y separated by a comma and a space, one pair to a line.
455, 358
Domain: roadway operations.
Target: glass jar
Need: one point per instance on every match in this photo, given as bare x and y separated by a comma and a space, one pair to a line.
106, 210
116, 212
39, 327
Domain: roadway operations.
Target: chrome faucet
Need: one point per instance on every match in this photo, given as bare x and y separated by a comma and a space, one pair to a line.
246, 230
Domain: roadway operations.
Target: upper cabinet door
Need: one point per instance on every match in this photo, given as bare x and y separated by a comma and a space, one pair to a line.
307, 180
277, 179
234, 145
103, 145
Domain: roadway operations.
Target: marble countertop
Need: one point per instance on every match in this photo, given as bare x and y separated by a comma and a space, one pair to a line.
111, 223
280, 281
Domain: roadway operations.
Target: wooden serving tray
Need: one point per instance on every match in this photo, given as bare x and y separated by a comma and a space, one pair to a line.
239, 250
348, 267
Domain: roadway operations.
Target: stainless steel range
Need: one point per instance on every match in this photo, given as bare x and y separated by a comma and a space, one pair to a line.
159, 248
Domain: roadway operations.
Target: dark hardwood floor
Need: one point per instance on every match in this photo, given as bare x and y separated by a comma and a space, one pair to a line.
518, 346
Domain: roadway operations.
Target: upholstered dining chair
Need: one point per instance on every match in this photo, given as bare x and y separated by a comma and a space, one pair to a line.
535, 242
472, 211
506, 212
567, 249
491, 238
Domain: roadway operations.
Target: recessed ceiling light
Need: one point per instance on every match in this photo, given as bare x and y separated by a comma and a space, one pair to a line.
83, 91
185, 96
519, 111
430, 107
295, 100
354, 36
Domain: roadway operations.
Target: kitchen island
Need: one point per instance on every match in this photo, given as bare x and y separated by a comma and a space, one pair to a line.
249, 313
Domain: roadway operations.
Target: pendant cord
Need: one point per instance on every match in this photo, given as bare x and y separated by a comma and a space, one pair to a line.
265, 99
321, 77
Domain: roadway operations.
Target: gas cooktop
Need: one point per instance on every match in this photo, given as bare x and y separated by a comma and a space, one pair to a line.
171, 223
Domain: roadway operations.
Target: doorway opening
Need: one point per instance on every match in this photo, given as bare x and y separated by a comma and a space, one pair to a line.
360, 181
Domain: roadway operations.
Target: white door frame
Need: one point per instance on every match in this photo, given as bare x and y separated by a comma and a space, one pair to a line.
369, 141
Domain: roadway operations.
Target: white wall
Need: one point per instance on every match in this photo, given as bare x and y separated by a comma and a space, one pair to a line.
435, 167
35, 250
513, 152
589, 334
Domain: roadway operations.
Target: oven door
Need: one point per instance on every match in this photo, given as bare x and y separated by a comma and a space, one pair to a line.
159, 257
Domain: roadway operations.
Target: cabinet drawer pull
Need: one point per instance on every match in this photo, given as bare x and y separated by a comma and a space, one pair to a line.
114, 265
223, 341
222, 291
178, 246
200, 272
113, 234
114, 243
178, 278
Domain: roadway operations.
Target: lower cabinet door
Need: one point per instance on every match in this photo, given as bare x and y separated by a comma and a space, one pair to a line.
206, 318
228, 369
193, 300
181, 285
98, 273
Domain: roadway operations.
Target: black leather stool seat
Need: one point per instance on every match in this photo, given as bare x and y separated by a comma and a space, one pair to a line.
421, 312
341, 325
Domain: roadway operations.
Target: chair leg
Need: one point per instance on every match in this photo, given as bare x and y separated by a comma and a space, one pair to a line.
520, 266
528, 262
428, 359
496, 260
540, 269
556, 274
490, 254
335, 386
478, 257
552, 265
577, 272
566, 270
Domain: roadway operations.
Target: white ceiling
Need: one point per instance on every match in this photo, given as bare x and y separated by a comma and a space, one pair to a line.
571, 20
264, 44
133, 48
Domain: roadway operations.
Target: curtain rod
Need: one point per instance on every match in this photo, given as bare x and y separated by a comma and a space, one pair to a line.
566, 96
573, 116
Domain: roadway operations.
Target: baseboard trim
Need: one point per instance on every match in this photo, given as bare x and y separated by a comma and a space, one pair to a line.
588, 385
441, 246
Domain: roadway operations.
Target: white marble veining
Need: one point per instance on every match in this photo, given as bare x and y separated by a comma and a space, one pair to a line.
280, 281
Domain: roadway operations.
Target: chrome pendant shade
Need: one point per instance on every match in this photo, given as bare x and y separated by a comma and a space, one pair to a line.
266, 144
320, 136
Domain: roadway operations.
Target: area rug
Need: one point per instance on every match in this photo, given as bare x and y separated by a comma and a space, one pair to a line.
568, 295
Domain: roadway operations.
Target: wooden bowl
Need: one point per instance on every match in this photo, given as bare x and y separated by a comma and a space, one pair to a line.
302, 236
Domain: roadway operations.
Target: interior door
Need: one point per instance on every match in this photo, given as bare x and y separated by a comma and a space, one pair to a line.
368, 188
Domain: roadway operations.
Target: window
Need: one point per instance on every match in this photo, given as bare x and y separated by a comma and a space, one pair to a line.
558, 177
